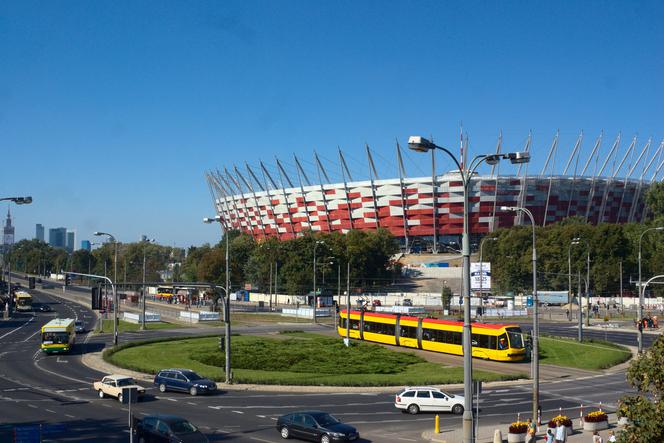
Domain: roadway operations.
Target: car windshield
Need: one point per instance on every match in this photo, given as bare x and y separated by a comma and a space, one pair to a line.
182, 427
126, 382
325, 419
192, 376
516, 337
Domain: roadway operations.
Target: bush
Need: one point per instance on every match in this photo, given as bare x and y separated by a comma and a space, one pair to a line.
596, 417
519, 427
562, 419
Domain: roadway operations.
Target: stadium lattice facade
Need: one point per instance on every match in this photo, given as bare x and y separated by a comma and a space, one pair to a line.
415, 208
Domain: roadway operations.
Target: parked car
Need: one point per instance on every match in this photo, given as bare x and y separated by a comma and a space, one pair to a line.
184, 380
112, 386
315, 426
426, 398
78, 326
376, 302
407, 302
167, 429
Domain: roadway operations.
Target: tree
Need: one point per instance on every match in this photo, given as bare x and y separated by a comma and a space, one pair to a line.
645, 411
655, 199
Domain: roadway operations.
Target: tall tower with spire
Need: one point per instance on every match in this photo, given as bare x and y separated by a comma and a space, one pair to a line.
8, 231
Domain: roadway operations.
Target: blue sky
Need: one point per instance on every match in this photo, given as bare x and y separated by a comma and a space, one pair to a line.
111, 112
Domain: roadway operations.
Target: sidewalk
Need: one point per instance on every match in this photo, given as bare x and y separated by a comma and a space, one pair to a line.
485, 434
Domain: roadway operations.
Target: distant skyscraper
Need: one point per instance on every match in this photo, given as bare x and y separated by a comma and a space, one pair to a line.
85, 244
8, 232
39, 232
57, 237
71, 241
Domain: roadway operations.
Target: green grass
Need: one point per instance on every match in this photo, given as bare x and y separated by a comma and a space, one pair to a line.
590, 354
125, 326
298, 358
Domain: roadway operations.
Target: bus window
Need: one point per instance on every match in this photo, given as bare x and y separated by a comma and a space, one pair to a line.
516, 338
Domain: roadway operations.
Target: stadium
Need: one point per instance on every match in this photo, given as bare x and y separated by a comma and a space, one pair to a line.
425, 212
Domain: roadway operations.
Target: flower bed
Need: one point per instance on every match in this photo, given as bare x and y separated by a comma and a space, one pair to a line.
595, 421
563, 420
517, 432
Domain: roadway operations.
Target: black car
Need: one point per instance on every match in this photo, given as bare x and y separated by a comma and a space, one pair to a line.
44, 308
315, 426
167, 429
184, 380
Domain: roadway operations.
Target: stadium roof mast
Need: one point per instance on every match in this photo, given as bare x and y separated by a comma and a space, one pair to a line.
345, 168
629, 174
230, 182
575, 153
300, 174
591, 195
635, 199
257, 209
552, 151
402, 172
613, 176
272, 220
225, 190
372, 174
598, 143
496, 168
518, 218
322, 191
652, 180
283, 174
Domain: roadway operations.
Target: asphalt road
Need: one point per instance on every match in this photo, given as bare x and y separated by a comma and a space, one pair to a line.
55, 391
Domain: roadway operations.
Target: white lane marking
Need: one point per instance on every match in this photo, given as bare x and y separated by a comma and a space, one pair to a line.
16, 329
77, 380
61, 361
215, 407
32, 406
49, 410
70, 416
260, 416
260, 439
193, 404
238, 412
35, 333
171, 399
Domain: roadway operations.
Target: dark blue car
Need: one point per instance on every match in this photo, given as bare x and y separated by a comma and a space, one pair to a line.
315, 426
184, 380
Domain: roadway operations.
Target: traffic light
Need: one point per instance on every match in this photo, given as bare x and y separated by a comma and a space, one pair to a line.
67, 280
96, 298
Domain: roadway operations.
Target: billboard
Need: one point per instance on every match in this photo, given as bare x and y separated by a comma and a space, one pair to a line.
480, 272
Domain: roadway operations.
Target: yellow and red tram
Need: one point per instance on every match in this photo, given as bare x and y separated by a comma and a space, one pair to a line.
500, 342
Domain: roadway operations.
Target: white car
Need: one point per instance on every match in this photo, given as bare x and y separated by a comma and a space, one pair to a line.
112, 386
426, 398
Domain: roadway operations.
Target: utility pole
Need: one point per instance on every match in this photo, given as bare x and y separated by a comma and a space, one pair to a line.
580, 298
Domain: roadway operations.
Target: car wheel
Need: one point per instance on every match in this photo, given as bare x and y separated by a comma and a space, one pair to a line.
325, 439
120, 398
101, 394
285, 433
457, 409
162, 388
413, 409
193, 391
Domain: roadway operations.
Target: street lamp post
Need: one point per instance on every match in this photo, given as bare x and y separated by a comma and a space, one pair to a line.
641, 292
421, 144
147, 240
114, 286
318, 242
485, 239
18, 201
578, 241
227, 305
535, 366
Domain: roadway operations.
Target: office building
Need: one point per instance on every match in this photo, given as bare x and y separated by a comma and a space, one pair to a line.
71, 240
57, 237
86, 245
39, 232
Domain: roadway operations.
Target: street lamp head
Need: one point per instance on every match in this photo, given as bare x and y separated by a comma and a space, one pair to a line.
509, 208
23, 200
216, 218
420, 144
492, 159
659, 228
519, 157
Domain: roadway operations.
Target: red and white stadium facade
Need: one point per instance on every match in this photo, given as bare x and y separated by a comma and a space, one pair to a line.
407, 207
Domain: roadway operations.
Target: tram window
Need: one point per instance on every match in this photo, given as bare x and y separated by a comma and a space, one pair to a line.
456, 338
408, 332
378, 328
502, 342
355, 324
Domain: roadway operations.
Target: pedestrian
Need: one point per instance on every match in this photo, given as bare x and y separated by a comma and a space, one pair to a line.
597, 438
561, 433
531, 432
549, 436
612, 437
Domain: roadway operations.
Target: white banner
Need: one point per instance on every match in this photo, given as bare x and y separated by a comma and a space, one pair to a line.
480, 272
